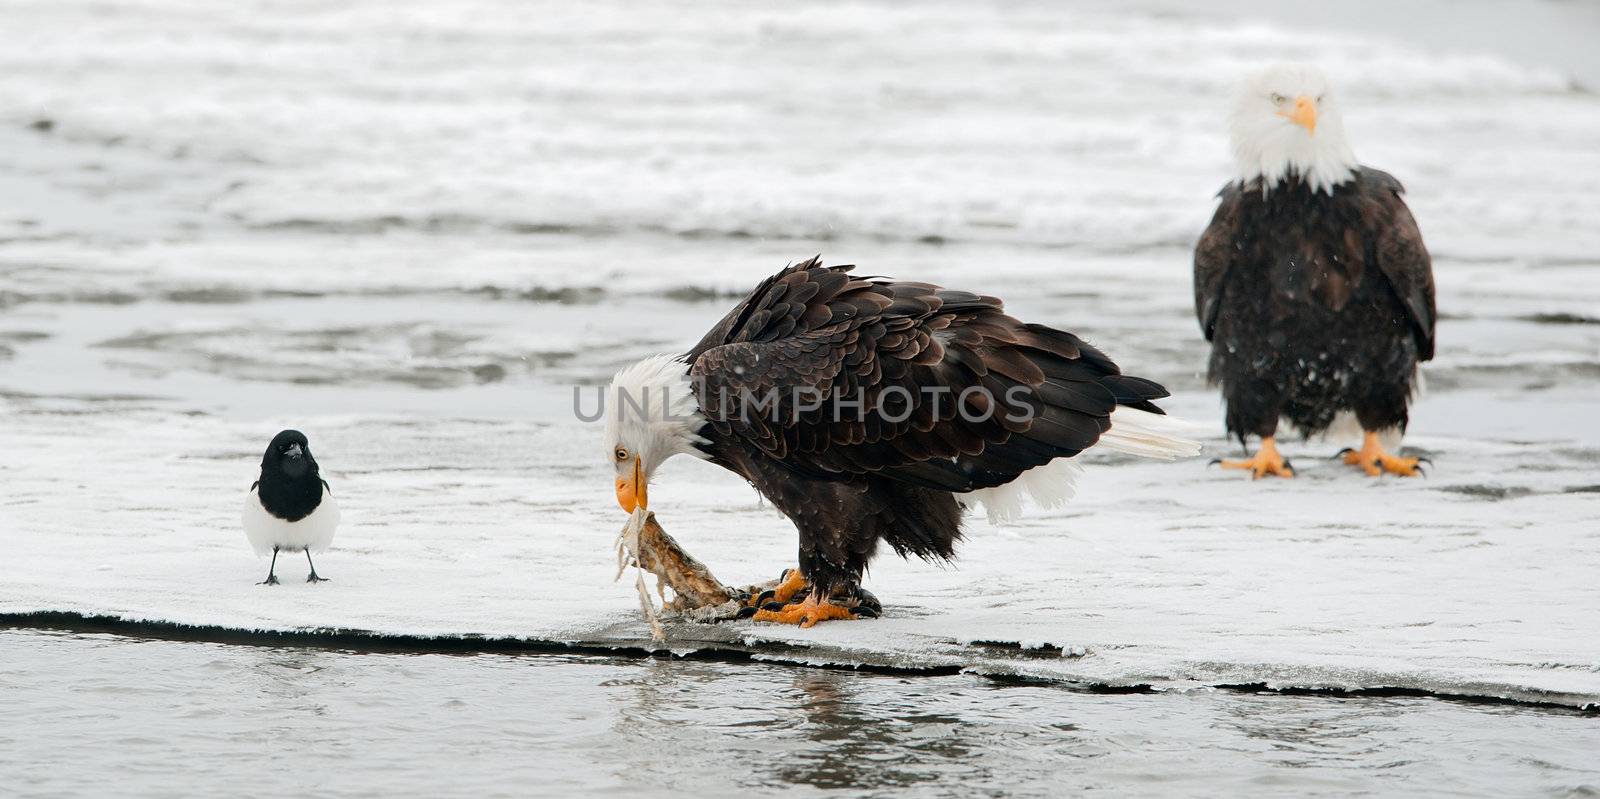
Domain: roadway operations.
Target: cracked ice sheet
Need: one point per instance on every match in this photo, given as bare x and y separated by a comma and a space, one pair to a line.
1161, 574
412, 258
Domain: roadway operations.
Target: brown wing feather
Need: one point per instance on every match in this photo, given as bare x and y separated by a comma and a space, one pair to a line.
1213, 255
813, 332
1400, 254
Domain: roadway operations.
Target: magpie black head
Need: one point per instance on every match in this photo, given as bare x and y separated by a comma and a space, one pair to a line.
290, 485
290, 454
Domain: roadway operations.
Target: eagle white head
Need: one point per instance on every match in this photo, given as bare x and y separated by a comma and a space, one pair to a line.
651, 414
1286, 121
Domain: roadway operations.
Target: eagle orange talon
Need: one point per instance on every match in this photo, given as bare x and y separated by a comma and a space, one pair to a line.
1266, 461
806, 613
1375, 461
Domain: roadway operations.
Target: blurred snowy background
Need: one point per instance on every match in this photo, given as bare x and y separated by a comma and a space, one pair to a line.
409, 230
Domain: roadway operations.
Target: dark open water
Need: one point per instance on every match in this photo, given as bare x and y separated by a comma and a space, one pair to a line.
89, 714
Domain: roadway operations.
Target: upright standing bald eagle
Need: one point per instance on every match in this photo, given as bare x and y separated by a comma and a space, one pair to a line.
1312, 283
866, 409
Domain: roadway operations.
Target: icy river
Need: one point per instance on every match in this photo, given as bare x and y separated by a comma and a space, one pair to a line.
411, 235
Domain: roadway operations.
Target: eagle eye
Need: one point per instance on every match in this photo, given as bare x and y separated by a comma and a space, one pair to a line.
622, 453
1279, 99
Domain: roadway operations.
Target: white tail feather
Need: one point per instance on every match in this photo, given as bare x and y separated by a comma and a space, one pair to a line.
1149, 435
1050, 485
1133, 431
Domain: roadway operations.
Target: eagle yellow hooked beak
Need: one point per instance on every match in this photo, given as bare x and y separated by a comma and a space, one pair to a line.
633, 492
1304, 114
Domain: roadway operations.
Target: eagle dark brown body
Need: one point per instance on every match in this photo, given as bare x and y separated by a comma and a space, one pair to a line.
849, 483
1315, 303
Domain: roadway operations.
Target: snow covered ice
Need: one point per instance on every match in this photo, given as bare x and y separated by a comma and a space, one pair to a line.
411, 237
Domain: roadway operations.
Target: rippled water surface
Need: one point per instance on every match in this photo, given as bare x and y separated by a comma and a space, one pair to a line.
95, 713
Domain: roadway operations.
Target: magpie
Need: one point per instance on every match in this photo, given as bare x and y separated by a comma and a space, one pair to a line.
290, 508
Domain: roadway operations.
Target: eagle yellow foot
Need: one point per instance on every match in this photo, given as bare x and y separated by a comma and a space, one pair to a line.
1375, 461
1266, 461
813, 609
791, 582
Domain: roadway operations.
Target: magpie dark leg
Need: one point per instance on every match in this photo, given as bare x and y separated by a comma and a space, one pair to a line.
313, 578
272, 579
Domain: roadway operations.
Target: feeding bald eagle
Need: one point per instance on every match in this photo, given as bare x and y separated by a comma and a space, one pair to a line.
1312, 282
866, 409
